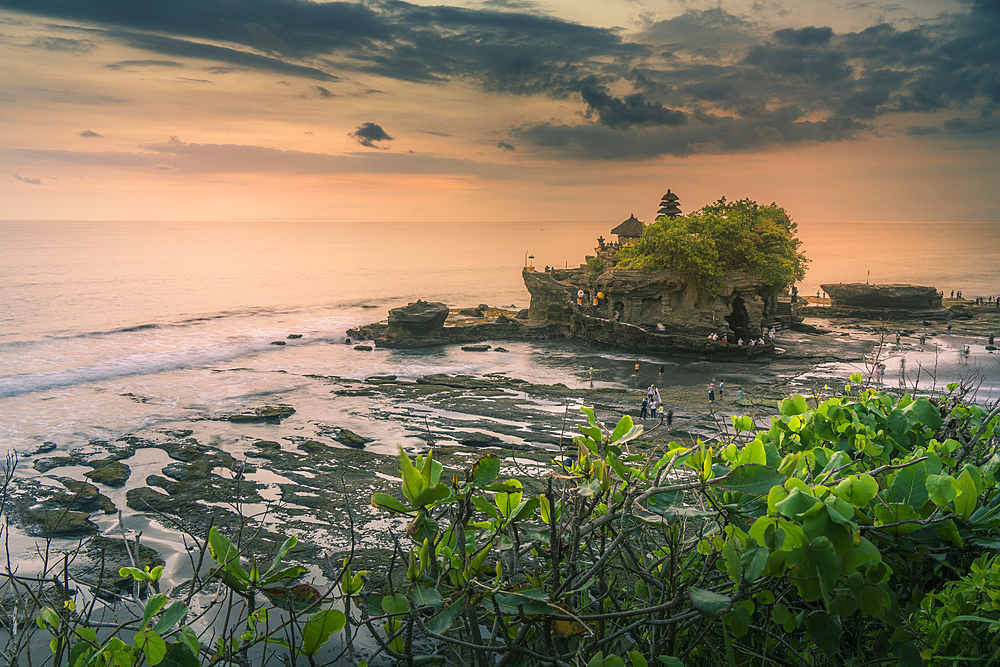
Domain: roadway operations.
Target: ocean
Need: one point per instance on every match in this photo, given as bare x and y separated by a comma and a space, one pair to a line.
110, 327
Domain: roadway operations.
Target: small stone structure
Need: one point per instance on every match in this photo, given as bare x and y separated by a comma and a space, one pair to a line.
863, 295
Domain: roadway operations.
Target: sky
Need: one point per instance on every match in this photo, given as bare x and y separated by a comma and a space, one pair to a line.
497, 110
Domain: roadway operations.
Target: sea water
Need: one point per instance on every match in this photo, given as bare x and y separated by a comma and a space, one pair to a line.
110, 327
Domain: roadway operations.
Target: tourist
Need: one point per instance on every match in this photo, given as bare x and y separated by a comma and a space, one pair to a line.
591, 377
953, 294
771, 333
965, 349
949, 328
902, 366
656, 396
739, 396
653, 407
991, 339
711, 392
897, 338
637, 368
618, 316
722, 386
660, 377
670, 417
660, 327
752, 342
739, 342
645, 404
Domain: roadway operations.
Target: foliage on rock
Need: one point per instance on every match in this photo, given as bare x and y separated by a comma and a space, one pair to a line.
724, 236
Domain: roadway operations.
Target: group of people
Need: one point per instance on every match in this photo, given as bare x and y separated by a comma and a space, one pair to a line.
979, 300
711, 390
725, 338
651, 403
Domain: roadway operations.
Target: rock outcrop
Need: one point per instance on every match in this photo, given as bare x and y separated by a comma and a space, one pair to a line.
418, 324
649, 299
863, 295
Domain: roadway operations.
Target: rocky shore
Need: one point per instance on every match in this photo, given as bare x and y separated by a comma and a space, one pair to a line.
281, 472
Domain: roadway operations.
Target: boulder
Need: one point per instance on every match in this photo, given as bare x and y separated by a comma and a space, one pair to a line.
471, 312
363, 348
477, 348
882, 296
477, 439
351, 439
109, 473
418, 324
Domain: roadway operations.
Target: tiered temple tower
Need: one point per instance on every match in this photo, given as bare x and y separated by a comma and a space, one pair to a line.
669, 206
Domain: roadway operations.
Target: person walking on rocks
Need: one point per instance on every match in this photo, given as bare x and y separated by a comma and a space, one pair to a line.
711, 392
637, 368
991, 339
722, 386
949, 328
670, 417
642, 413
591, 377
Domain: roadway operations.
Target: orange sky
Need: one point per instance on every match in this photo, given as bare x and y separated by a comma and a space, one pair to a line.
497, 110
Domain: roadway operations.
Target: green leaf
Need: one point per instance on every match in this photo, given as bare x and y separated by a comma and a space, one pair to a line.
591, 416
507, 501
441, 623
413, 483
895, 512
485, 470
858, 490
395, 604
624, 426
171, 616
153, 607
754, 453
179, 655
425, 597
283, 550
225, 554
319, 627
153, 646
291, 572
742, 423
384, 501
796, 503
941, 489
670, 661
752, 479
188, 637
825, 631
910, 485
794, 405
711, 605
600, 661
816, 569
432, 494
965, 502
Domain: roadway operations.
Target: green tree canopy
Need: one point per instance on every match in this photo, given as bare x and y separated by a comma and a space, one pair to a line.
724, 236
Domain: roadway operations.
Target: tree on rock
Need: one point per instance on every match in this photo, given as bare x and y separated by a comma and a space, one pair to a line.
724, 236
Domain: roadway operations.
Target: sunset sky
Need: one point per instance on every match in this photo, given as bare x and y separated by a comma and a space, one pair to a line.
496, 110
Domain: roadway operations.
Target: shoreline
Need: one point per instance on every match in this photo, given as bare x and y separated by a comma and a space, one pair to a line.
305, 470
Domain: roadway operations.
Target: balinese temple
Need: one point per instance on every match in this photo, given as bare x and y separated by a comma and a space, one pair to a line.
669, 206
628, 231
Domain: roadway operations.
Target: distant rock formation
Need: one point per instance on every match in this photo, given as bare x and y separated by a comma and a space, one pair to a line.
863, 295
648, 299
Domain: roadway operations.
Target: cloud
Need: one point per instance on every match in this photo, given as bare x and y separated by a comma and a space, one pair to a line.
368, 134
705, 80
64, 44
195, 160
130, 64
503, 145
324, 93
90, 134
632, 111
786, 126
922, 130
30, 181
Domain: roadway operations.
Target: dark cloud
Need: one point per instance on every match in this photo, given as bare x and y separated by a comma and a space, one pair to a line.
503, 145
90, 134
808, 36
324, 93
29, 181
368, 134
701, 81
632, 111
921, 130
785, 126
